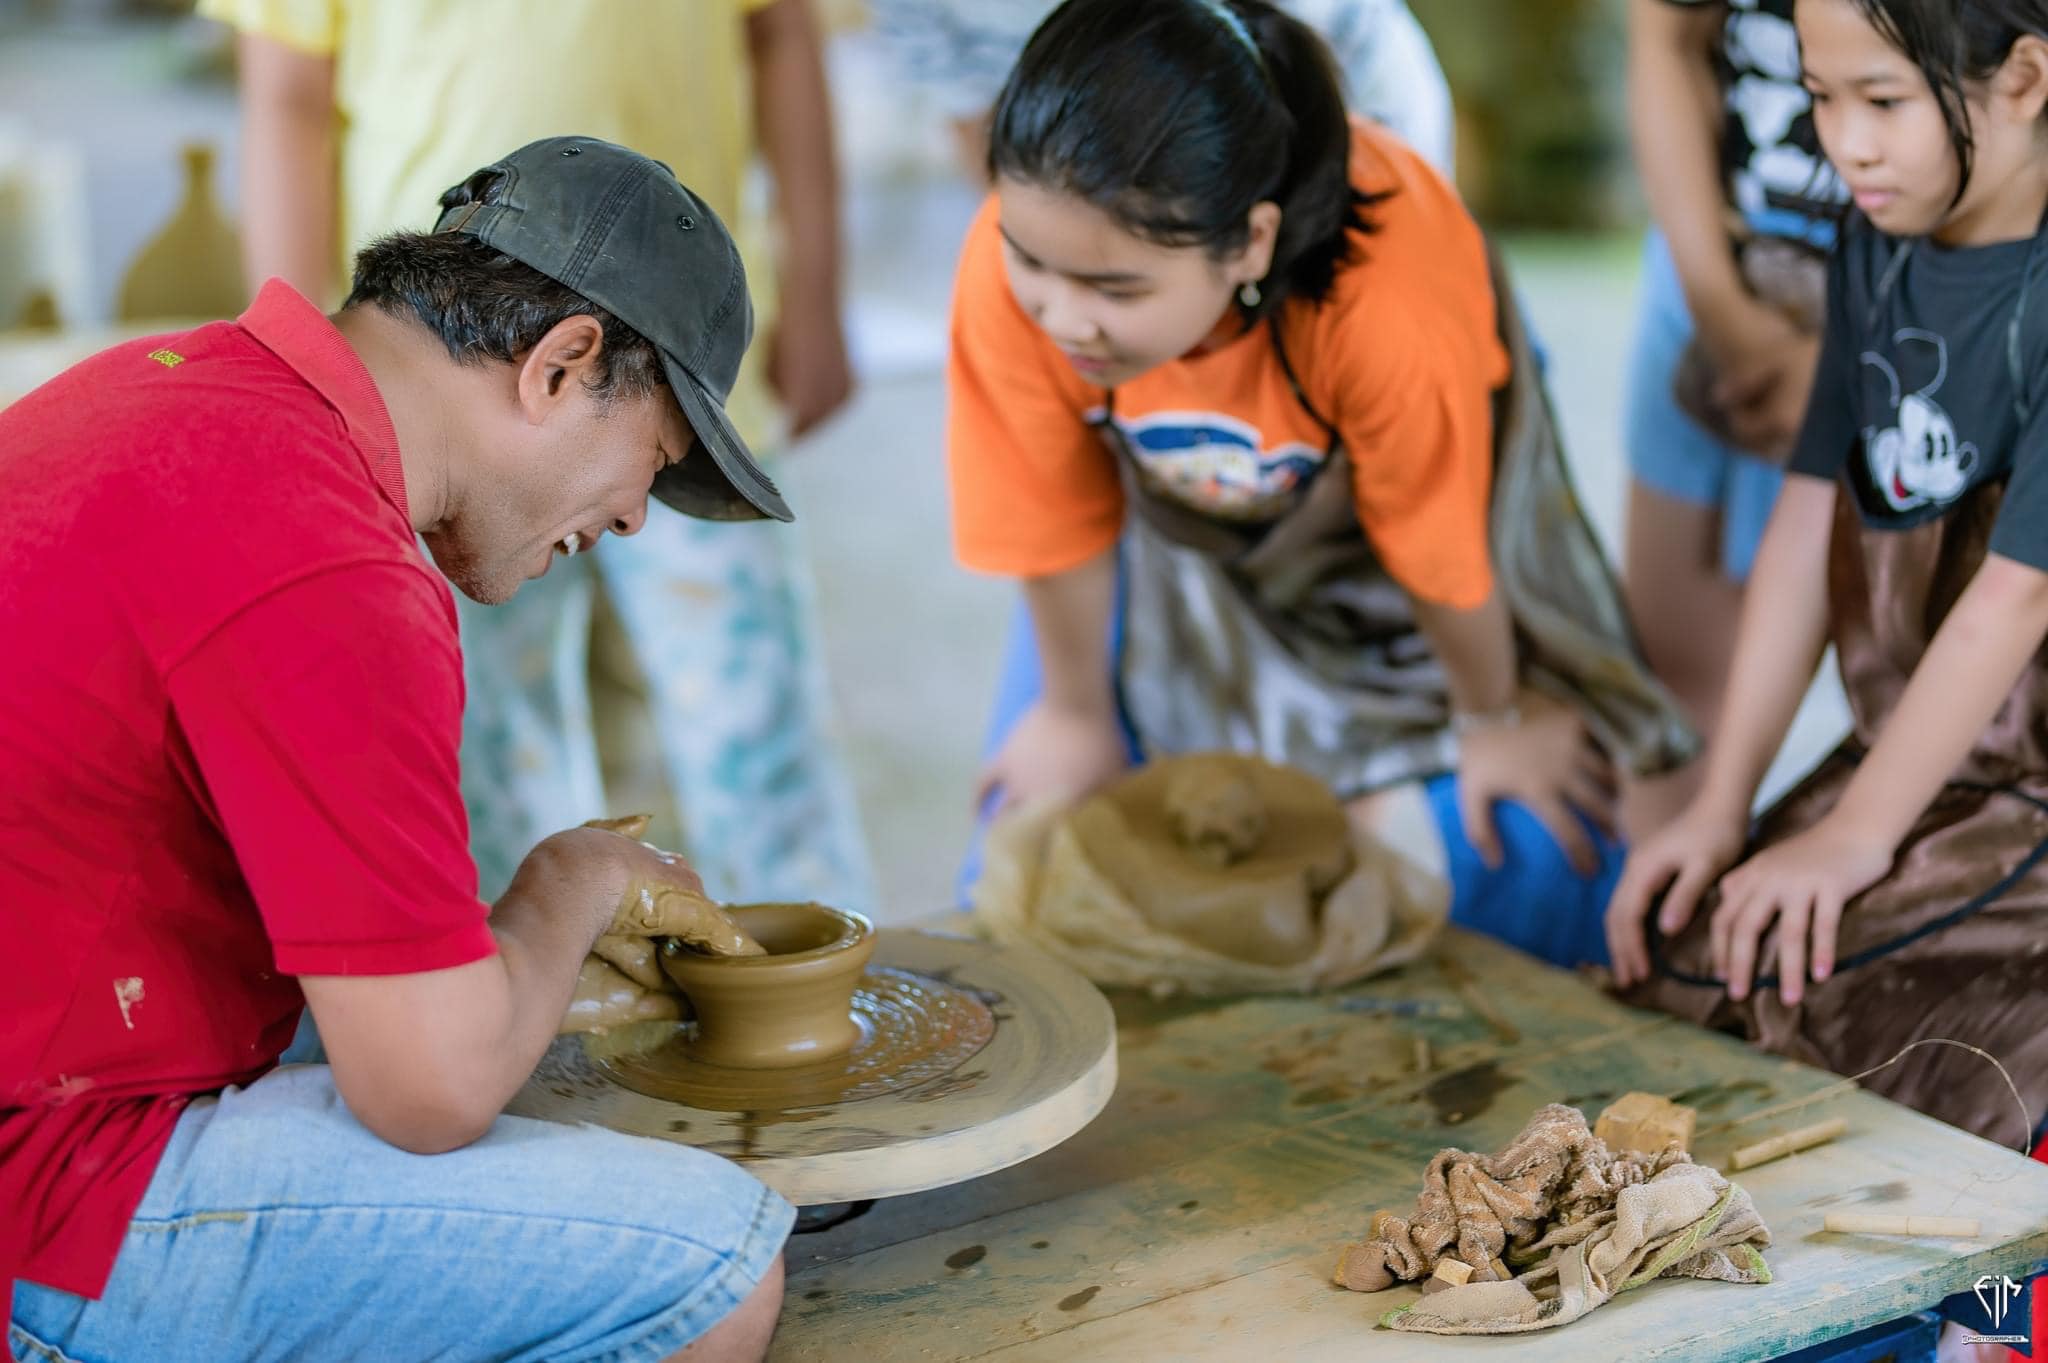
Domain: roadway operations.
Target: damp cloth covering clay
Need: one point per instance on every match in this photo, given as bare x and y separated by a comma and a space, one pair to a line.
1207, 873
1574, 1222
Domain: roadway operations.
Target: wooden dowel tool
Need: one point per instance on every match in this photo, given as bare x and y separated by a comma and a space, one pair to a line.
1805, 1138
1891, 1223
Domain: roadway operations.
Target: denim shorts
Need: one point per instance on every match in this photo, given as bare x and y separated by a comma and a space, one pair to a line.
277, 1227
1668, 451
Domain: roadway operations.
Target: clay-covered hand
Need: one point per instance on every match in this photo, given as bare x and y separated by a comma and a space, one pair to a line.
660, 897
1054, 753
606, 998
1801, 884
1681, 862
1545, 761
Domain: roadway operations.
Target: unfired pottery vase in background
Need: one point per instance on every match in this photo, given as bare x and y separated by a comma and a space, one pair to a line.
793, 1006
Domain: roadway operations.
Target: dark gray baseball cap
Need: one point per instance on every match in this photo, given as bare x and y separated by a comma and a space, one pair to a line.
621, 230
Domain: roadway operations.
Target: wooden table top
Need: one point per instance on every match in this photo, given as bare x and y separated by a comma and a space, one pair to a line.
1199, 1217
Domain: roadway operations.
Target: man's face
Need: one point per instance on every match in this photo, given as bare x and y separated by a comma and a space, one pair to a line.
548, 483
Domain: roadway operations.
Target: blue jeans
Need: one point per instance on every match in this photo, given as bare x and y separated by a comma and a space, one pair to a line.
277, 1227
1533, 900
1668, 451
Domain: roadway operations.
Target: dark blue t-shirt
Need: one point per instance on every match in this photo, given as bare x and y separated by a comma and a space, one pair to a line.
1920, 397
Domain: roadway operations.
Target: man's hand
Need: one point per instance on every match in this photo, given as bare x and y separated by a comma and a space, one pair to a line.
1547, 762
1054, 753
1682, 860
1802, 883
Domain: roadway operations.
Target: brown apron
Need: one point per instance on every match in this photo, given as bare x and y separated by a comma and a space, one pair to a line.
1286, 637
1954, 941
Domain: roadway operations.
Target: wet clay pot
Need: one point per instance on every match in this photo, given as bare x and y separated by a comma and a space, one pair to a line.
792, 1006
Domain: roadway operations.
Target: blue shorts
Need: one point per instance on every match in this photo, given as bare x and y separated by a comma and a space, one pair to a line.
277, 1227
1668, 451
1533, 900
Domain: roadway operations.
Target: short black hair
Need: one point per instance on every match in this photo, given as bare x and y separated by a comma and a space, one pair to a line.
1175, 117
484, 305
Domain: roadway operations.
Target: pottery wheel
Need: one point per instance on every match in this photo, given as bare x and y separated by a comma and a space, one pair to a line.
971, 1058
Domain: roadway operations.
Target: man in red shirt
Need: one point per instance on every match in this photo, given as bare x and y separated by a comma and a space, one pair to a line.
228, 786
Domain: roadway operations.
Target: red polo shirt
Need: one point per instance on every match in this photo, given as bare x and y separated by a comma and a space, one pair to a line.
228, 732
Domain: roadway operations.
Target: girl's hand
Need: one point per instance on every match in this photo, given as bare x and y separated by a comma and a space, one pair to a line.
1681, 860
1054, 753
1765, 366
1545, 761
1804, 882
1766, 399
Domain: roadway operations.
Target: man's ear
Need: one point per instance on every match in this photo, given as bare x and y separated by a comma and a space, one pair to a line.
566, 356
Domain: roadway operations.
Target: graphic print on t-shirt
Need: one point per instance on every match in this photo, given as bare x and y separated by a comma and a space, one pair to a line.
1769, 150
1213, 462
1915, 461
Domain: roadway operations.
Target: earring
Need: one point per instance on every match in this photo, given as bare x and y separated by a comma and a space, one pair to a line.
1248, 294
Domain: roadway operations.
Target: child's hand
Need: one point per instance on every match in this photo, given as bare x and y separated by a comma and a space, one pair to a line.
1054, 753
1544, 761
1681, 860
1803, 882
1766, 401
1764, 366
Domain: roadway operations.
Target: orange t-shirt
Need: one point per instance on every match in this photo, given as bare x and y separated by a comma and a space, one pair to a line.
1402, 357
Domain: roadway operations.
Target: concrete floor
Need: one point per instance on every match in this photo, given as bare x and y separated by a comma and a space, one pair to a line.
912, 641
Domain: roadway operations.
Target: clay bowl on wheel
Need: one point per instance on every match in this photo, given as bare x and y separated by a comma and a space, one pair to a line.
793, 1006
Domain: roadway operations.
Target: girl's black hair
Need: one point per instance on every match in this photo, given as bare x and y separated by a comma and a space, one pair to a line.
1956, 43
1175, 117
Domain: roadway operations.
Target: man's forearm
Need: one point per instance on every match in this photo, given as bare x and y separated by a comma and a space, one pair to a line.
1070, 615
288, 175
428, 1060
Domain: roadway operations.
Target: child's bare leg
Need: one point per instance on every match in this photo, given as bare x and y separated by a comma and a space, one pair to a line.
1686, 611
1685, 608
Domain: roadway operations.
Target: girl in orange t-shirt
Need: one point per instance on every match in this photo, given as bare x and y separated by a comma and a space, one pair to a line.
1235, 370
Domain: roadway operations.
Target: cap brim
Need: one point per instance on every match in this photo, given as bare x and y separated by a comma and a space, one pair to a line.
718, 480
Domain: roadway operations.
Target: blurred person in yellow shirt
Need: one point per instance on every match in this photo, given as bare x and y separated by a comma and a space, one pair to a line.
355, 114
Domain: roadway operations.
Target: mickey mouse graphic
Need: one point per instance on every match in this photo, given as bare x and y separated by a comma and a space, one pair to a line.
1916, 461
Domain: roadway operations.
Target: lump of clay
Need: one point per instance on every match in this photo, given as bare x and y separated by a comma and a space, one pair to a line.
1288, 839
606, 998
1215, 808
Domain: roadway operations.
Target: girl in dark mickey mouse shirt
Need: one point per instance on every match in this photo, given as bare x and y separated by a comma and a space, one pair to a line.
1900, 891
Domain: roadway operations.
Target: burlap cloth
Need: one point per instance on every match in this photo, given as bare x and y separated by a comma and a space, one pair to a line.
1575, 1223
1207, 874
